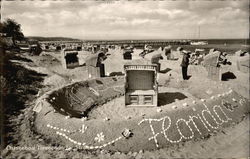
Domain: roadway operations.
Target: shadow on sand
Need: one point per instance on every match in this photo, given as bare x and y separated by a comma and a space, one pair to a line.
165, 70
227, 76
188, 77
116, 74
169, 97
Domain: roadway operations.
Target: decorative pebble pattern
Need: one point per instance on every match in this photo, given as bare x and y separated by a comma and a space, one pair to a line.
64, 130
185, 104
81, 143
203, 100
83, 129
201, 117
242, 101
174, 107
87, 146
166, 125
99, 137
159, 110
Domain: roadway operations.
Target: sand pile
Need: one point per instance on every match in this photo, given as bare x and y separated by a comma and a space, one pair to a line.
79, 98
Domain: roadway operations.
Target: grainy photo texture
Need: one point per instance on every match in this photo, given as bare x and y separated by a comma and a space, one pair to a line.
124, 79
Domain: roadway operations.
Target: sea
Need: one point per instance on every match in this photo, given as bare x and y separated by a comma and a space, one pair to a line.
225, 41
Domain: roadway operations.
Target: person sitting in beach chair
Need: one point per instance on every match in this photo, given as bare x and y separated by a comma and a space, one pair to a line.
223, 59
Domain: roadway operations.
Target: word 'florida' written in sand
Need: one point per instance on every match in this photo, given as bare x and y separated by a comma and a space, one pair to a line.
184, 129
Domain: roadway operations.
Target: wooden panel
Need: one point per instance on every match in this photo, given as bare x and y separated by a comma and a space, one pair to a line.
148, 100
93, 72
214, 73
243, 64
102, 70
134, 99
141, 100
142, 80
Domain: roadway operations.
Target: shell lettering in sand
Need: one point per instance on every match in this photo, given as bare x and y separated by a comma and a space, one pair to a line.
219, 117
180, 132
188, 123
242, 101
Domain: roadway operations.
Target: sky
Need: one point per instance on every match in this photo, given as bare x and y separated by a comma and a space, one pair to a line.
168, 19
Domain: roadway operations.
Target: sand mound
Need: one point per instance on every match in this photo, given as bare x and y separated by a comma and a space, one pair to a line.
158, 130
77, 99
173, 122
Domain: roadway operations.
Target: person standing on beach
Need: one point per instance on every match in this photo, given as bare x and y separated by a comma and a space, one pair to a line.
185, 63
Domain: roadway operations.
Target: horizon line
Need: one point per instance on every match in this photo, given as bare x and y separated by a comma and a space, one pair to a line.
89, 39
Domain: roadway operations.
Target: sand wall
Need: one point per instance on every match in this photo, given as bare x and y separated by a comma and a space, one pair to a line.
77, 99
162, 129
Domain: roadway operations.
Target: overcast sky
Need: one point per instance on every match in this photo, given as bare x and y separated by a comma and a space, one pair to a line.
131, 20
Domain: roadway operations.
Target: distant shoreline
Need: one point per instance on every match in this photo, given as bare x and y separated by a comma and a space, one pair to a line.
210, 41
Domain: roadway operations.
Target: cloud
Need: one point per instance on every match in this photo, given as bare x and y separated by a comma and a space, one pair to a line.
127, 19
